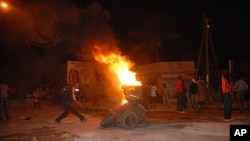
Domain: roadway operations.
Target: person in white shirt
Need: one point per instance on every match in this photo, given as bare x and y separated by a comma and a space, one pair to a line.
152, 95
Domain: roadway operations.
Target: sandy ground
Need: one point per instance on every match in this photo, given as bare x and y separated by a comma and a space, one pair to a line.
160, 124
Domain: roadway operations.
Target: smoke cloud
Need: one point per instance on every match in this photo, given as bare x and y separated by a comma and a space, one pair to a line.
36, 23
47, 33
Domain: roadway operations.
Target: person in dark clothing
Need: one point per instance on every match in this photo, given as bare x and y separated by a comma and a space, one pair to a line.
145, 89
4, 101
193, 92
241, 88
184, 98
67, 100
36, 97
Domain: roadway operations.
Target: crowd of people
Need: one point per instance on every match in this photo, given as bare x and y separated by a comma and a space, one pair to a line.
183, 93
191, 92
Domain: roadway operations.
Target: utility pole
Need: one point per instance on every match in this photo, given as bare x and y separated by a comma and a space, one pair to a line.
206, 42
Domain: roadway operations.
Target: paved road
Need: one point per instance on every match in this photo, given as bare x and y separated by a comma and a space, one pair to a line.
161, 124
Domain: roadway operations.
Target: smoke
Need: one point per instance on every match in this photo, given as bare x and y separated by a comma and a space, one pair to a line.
49, 23
62, 29
97, 30
35, 23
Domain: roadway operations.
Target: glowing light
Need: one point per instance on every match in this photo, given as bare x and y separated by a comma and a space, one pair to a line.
119, 65
4, 5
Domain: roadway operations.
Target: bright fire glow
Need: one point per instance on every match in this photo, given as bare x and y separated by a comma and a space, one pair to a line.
118, 65
4, 5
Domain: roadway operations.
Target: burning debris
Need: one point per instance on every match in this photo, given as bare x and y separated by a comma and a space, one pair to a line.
129, 114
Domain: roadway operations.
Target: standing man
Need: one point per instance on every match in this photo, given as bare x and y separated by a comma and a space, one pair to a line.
145, 89
180, 91
152, 90
4, 101
36, 96
67, 100
193, 92
165, 95
226, 89
241, 88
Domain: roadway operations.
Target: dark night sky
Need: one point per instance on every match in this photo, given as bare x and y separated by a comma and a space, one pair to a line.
229, 22
177, 24
45, 30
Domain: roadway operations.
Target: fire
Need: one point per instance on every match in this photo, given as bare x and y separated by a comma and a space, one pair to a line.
119, 65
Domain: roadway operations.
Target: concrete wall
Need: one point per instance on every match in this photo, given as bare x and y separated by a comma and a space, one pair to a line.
166, 72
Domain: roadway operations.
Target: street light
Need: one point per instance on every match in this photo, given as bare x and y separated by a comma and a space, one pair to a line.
4, 5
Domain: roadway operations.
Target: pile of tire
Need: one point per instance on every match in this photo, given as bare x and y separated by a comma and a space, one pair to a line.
127, 116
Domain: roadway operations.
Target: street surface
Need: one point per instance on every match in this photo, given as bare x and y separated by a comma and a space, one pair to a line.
160, 124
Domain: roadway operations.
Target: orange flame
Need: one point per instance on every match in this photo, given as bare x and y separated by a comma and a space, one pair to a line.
119, 65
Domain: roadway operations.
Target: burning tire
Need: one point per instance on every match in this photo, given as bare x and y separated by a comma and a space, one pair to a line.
129, 120
108, 121
140, 111
128, 115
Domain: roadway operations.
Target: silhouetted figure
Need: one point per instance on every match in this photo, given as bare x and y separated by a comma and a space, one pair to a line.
67, 100
4, 101
36, 98
193, 93
241, 88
